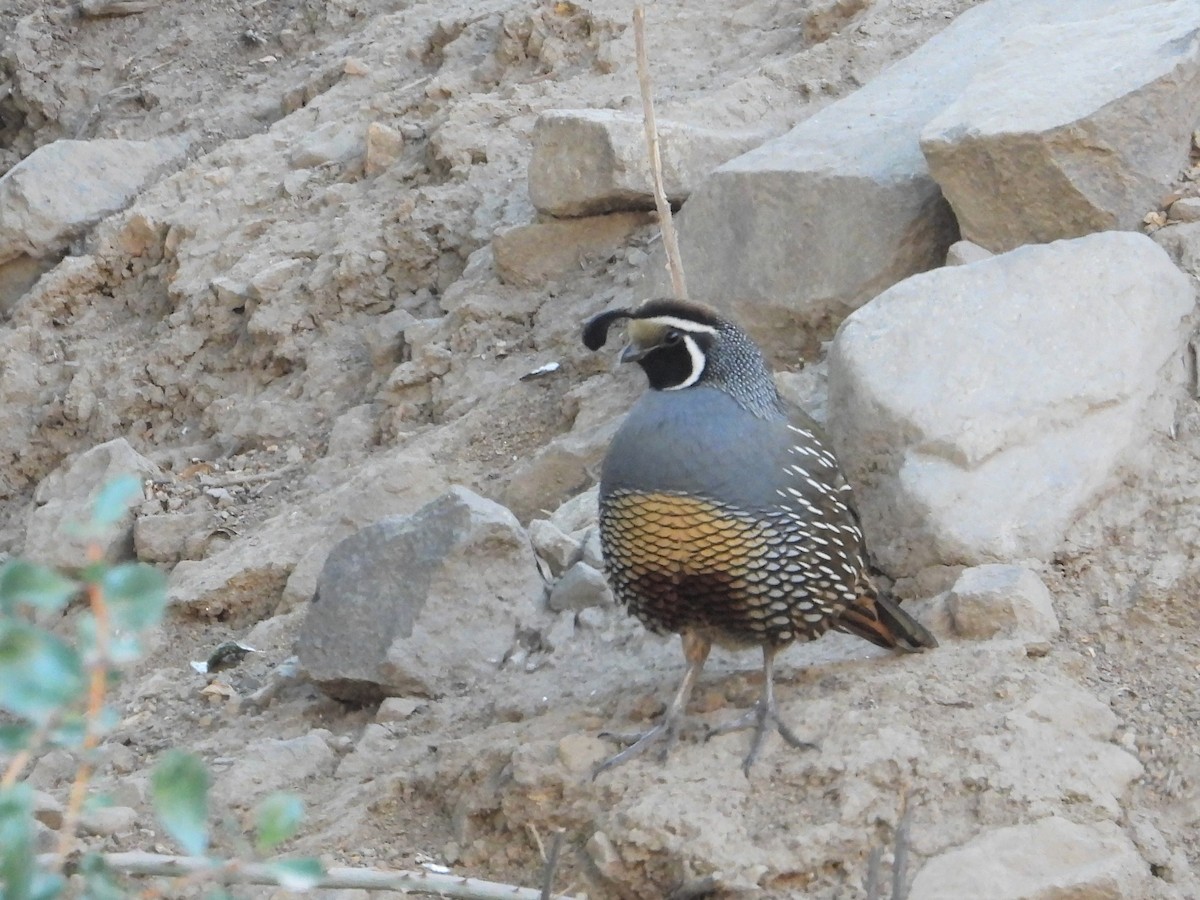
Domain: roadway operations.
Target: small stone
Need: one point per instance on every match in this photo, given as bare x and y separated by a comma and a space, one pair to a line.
1001, 601
108, 820
556, 548
330, 144
1185, 209
581, 752
162, 537
592, 618
353, 66
962, 253
384, 146
582, 586
578, 512
47, 809
397, 709
603, 855
592, 554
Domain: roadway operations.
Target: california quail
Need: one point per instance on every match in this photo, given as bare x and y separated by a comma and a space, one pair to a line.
722, 519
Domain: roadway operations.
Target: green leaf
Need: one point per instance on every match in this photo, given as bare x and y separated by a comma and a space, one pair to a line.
99, 881
179, 788
19, 877
14, 737
297, 874
23, 582
114, 499
39, 673
136, 595
16, 841
279, 818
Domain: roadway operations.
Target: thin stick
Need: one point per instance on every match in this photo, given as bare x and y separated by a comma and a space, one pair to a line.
874, 861
900, 854
97, 683
429, 883
665, 223
552, 864
228, 481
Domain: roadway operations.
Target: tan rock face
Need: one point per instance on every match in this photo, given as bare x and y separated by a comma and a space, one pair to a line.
1051, 140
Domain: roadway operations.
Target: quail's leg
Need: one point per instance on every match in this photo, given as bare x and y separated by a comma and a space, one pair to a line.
765, 710
695, 650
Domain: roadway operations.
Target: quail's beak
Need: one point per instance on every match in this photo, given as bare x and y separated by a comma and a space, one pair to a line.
634, 352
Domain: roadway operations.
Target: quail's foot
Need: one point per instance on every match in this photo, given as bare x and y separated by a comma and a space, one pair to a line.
695, 651
760, 717
666, 733
765, 711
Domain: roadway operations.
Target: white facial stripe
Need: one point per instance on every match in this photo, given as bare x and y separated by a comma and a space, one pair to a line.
697, 356
682, 324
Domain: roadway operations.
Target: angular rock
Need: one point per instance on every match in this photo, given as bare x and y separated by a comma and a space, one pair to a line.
241, 584
109, 820
167, 537
332, 143
1185, 209
579, 512
778, 236
1001, 600
63, 188
64, 501
557, 549
420, 604
963, 252
1052, 140
1182, 243
588, 161
582, 586
972, 411
384, 146
1051, 859
531, 255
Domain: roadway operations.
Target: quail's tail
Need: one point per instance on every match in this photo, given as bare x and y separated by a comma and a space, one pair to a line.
878, 618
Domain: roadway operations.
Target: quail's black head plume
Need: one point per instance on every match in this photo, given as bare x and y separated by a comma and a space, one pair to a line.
723, 520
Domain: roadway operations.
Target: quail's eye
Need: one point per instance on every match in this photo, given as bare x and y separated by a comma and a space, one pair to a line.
674, 336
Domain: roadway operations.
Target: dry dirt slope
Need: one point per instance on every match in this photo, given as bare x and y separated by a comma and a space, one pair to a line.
147, 335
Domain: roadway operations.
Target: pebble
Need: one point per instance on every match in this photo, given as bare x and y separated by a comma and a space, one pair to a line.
582, 586
1185, 209
396, 709
108, 820
581, 752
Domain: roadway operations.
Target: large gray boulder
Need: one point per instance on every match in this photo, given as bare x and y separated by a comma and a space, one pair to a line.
978, 408
63, 188
1051, 139
421, 604
794, 235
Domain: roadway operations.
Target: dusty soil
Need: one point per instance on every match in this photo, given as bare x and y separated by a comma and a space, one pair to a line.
152, 338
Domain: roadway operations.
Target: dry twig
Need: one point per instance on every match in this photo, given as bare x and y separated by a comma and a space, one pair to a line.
97, 683
138, 863
551, 864
665, 222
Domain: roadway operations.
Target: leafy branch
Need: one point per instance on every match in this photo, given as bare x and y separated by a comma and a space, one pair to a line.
53, 694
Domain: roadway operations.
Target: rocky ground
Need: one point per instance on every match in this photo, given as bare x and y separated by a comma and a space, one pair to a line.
312, 306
